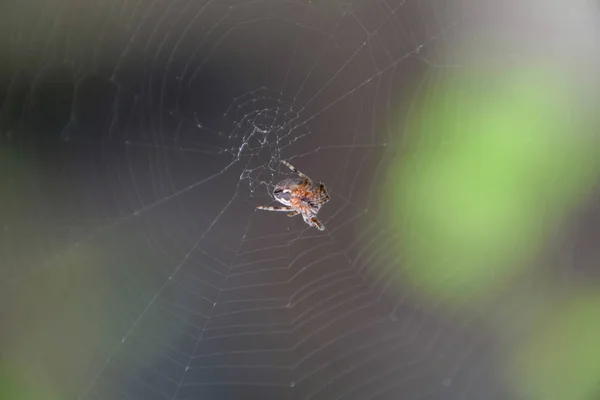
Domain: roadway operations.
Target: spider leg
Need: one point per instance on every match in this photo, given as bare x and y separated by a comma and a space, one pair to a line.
275, 208
323, 194
290, 166
317, 224
293, 214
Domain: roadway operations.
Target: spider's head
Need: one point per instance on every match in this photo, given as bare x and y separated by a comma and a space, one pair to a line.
283, 195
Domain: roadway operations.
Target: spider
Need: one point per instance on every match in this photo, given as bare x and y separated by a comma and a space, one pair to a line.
300, 196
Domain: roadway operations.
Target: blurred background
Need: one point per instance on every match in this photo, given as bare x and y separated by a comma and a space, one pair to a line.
458, 141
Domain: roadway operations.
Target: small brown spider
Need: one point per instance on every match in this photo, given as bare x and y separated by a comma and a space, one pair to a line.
300, 196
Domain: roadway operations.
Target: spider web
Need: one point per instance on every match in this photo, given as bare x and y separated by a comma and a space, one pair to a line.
140, 136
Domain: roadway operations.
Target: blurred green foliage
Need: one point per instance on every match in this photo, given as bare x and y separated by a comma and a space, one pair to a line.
561, 359
491, 163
